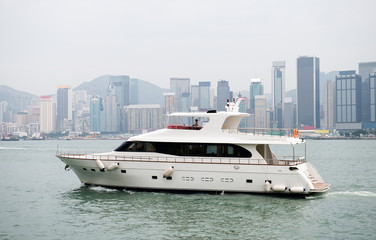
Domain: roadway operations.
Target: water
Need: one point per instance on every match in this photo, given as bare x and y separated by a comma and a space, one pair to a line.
39, 200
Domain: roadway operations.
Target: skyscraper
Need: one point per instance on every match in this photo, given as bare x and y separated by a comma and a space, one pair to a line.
348, 85
195, 95
181, 87
278, 92
47, 114
372, 84
112, 110
330, 105
64, 106
95, 113
365, 68
308, 94
204, 92
223, 94
260, 112
256, 89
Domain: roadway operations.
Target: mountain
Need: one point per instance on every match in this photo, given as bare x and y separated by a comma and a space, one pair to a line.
17, 99
148, 93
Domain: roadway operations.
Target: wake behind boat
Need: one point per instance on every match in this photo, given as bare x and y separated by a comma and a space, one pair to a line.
213, 157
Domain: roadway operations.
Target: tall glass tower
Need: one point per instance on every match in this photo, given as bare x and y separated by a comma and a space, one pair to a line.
95, 113
365, 68
64, 106
308, 92
204, 91
181, 87
348, 85
278, 91
223, 94
256, 89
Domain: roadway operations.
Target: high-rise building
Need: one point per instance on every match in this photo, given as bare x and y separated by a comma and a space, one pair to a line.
278, 92
169, 102
260, 112
372, 87
348, 85
121, 86
47, 114
330, 105
95, 114
256, 89
223, 94
146, 117
204, 93
195, 95
3, 109
181, 87
64, 106
365, 68
288, 114
308, 94
112, 110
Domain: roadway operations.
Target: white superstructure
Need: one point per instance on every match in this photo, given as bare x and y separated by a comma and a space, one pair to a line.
213, 157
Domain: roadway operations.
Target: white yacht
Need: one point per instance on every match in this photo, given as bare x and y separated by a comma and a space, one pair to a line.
214, 157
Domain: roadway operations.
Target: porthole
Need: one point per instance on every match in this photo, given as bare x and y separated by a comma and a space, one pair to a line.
154, 177
249, 181
93, 170
169, 178
85, 169
123, 171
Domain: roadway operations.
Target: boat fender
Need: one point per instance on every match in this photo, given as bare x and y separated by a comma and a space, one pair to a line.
100, 164
113, 166
168, 172
279, 188
267, 186
297, 189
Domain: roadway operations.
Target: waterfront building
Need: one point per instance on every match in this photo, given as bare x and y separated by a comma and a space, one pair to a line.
348, 85
141, 118
330, 104
204, 91
181, 87
169, 102
112, 110
308, 94
288, 113
261, 120
47, 114
195, 95
256, 89
372, 87
64, 106
365, 68
3, 109
223, 94
278, 92
95, 114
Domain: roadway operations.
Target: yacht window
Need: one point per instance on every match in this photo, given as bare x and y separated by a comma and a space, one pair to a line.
187, 149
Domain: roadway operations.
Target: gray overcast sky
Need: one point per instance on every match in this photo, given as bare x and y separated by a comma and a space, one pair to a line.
48, 43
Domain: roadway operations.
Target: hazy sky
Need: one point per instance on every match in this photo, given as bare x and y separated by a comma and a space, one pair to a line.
48, 43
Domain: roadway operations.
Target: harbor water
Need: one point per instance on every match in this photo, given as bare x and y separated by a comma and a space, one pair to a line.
40, 200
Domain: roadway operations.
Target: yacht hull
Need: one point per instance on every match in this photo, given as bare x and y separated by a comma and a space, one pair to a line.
207, 177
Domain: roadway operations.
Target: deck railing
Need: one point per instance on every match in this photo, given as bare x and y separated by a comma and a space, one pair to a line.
278, 132
203, 160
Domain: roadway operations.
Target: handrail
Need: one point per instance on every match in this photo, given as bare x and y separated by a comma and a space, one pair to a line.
280, 132
203, 160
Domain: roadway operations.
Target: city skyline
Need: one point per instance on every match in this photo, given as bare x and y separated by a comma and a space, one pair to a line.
204, 41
